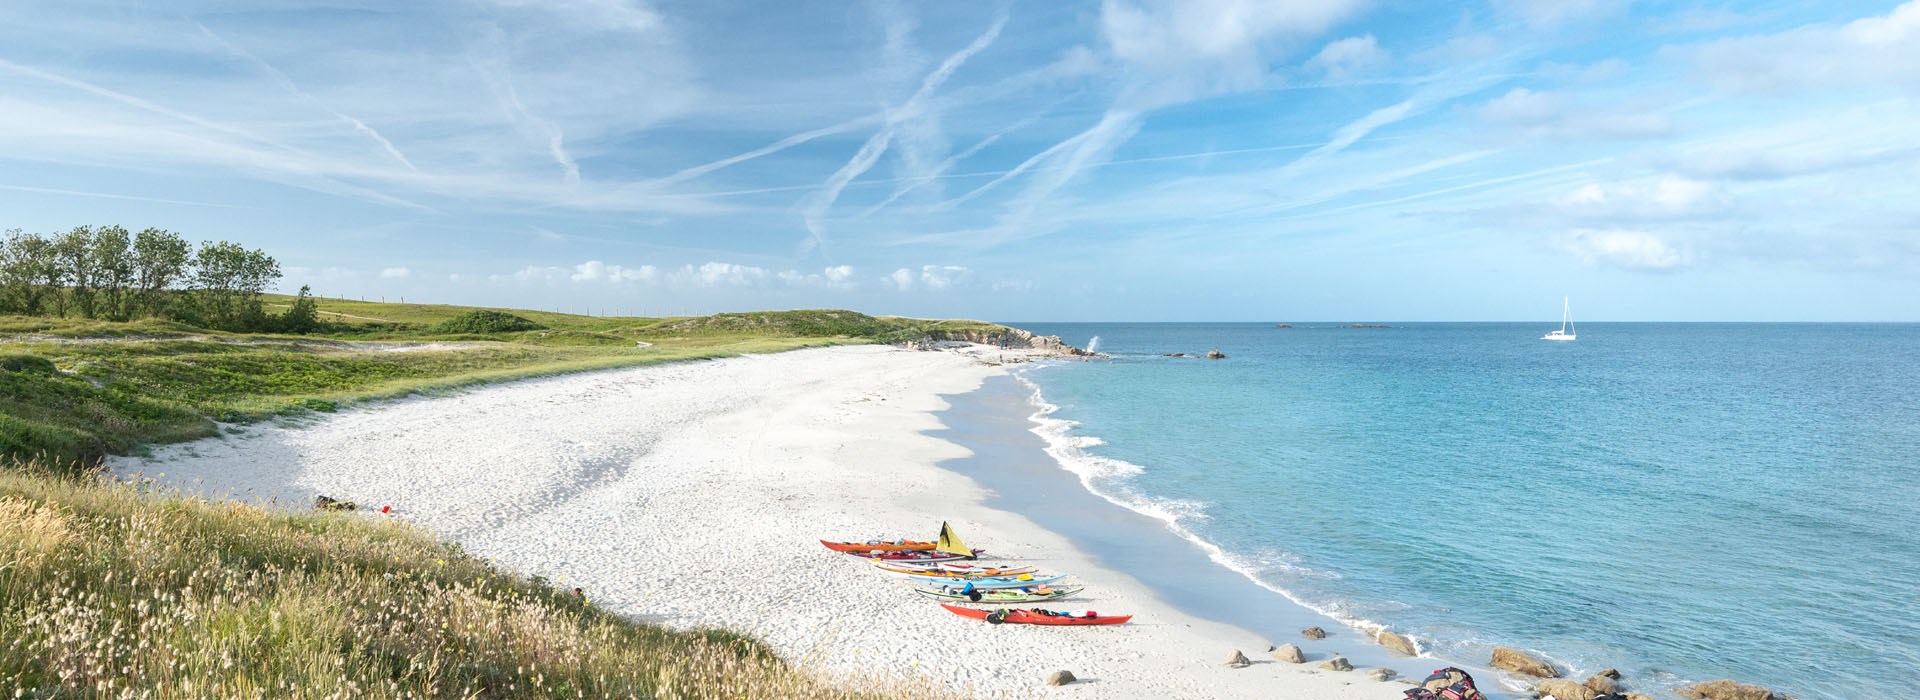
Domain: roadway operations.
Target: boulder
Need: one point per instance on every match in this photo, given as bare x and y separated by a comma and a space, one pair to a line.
1238, 660
1725, 690
1313, 633
1381, 674
1397, 643
1603, 685
1338, 663
1288, 653
327, 503
1610, 673
1060, 678
1563, 690
1516, 661
1638, 696
1215, 354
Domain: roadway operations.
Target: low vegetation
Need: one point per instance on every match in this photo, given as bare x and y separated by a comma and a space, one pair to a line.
110, 591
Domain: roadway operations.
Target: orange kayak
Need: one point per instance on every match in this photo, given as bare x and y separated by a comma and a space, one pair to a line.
896, 546
1037, 616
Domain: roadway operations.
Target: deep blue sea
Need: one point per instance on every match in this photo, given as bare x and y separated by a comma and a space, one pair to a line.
1681, 501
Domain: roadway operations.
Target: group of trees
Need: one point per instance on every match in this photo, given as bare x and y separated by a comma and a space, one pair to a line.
109, 273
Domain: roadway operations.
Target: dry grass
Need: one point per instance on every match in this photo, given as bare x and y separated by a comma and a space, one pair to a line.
114, 591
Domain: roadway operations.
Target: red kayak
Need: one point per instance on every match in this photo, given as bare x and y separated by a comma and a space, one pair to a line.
1037, 616
915, 556
899, 546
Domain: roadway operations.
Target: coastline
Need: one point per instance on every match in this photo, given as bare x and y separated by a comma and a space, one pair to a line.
692, 494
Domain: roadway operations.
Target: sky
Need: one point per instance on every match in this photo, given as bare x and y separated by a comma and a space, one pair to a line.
1123, 160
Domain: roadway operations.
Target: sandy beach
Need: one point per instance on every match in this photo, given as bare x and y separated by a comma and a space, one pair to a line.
693, 495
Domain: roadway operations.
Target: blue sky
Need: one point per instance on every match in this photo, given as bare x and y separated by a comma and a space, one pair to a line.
1118, 160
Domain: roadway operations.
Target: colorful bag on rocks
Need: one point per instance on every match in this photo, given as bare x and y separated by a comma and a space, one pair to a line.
1446, 684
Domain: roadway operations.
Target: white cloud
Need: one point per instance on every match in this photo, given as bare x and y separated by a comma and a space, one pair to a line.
1543, 14
902, 279
938, 277
1869, 51
839, 273
1189, 48
596, 271
1557, 115
719, 274
395, 273
1634, 250
1669, 196
1349, 57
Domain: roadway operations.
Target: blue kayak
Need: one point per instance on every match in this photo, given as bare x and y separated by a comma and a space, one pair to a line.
991, 582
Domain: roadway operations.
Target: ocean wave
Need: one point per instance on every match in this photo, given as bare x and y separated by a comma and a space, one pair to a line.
1106, 477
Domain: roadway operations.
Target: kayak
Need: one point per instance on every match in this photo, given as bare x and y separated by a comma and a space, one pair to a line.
915, 556
1037, 616
955, 574
937, 568
878, 546
993, 582
1033, 594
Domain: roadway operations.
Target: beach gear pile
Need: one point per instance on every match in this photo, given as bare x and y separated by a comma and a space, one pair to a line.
947, 570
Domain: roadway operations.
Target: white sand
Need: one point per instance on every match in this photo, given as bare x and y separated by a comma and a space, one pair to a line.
693, 494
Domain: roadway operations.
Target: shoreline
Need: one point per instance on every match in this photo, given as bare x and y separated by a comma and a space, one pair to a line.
691, 495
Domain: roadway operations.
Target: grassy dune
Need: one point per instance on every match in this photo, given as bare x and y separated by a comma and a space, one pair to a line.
73, 390
112, 592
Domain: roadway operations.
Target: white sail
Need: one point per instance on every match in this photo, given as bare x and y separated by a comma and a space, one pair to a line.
1566, 322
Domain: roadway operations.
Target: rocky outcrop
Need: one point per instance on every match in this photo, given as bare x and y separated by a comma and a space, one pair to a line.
1289, 653
1397, 643
1060, 678
1563, 690
1516, 661
1726, 690
1603, 685
1313, 633
1610, 673
1215, 354
1283, 325
1381, 674
1013, 338
1338, 663
1238, 660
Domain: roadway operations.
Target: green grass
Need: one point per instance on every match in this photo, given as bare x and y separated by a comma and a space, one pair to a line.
121, 385
112, 591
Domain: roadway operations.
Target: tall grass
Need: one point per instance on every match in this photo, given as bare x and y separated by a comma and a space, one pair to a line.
112, 591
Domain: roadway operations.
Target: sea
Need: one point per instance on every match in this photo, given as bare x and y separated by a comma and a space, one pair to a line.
1680, 501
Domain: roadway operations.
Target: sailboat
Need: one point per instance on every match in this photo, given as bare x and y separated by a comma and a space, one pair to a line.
1566, 323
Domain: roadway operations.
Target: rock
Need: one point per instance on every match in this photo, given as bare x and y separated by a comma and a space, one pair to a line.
1603, 685
1610, 673
1725, 690
1511, 659
1215, 354
1289, 653
1381, 674
1338, 663
325, 503
1397, 643
1637, 696
1313, 633
1563, 690
1283, 325
1238, 660
1060, 678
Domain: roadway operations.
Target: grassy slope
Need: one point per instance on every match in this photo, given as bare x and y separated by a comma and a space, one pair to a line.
107, 590
112, 592
120, 385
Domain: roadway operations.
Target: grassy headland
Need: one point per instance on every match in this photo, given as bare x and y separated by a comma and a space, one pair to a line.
74, 390
113, 590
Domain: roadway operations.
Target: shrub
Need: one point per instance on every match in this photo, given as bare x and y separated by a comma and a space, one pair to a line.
485, 321
28, 364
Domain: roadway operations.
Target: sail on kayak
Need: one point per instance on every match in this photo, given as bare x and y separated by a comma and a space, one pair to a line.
949, 542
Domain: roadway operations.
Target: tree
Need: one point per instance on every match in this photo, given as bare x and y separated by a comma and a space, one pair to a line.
74, 251
160, 260
24, 258
228, 282
303, 316
113, 267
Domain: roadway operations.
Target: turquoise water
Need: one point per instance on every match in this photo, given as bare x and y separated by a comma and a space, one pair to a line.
1681, 501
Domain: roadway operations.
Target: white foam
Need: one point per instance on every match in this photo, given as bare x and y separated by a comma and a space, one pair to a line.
1104, 477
